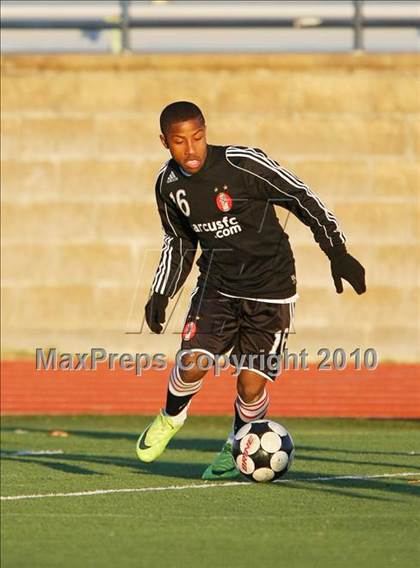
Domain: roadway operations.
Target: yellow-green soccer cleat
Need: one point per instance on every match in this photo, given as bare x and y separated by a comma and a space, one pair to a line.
223, 465
156, 437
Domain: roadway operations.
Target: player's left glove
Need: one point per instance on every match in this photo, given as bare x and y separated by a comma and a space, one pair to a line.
343, 265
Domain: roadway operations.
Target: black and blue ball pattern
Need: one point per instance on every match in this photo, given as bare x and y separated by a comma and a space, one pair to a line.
263, 450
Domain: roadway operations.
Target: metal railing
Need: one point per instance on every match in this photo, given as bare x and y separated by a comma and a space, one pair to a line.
124, 23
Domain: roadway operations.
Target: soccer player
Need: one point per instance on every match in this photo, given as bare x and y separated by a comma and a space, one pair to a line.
222, 198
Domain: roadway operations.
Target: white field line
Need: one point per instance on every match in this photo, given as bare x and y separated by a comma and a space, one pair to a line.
201, 486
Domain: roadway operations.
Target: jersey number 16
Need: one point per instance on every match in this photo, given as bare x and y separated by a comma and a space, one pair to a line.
181, 201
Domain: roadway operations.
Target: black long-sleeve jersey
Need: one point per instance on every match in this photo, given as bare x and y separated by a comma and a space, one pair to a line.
228, 208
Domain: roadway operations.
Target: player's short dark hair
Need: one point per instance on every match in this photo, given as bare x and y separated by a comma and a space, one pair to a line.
180, 111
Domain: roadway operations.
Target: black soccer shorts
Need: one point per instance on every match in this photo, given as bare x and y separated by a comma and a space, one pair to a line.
255, 332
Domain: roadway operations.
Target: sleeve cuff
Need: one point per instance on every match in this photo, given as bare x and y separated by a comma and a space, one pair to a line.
336, 251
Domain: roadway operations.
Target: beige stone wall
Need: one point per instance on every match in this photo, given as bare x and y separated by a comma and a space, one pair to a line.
80, 151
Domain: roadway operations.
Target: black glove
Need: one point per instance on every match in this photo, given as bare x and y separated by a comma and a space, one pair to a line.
155, 312
343, 265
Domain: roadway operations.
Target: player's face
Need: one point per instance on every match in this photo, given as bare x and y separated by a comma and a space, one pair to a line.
187, 144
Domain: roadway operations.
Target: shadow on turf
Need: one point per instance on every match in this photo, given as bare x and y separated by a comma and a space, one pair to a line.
192, 471
97, 434
181, 470
191, 444
358, 462
348, 487
50, 463
361, 452
212, 444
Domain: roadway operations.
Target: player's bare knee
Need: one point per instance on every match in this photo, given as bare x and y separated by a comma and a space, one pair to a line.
250, 385
194, 366
249, 392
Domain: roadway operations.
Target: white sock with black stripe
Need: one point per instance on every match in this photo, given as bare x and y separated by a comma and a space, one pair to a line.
179, 396
249, 411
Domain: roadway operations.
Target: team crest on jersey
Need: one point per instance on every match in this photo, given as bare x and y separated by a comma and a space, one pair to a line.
190, 329
224, 201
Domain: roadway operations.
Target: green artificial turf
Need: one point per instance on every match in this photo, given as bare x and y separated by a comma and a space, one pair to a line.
301, 523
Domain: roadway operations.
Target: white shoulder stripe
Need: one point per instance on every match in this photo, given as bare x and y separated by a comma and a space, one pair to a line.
180, 264
301, 184
258, 160
290, 178
165, 268
168, 270
163, 264
161, 174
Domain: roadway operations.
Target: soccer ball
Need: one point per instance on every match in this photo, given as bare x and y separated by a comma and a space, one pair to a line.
263, 450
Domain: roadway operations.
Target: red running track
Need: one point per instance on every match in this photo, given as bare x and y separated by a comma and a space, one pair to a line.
391, 391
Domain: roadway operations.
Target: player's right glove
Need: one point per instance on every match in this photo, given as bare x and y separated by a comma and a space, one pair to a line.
155, 312
343, 265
